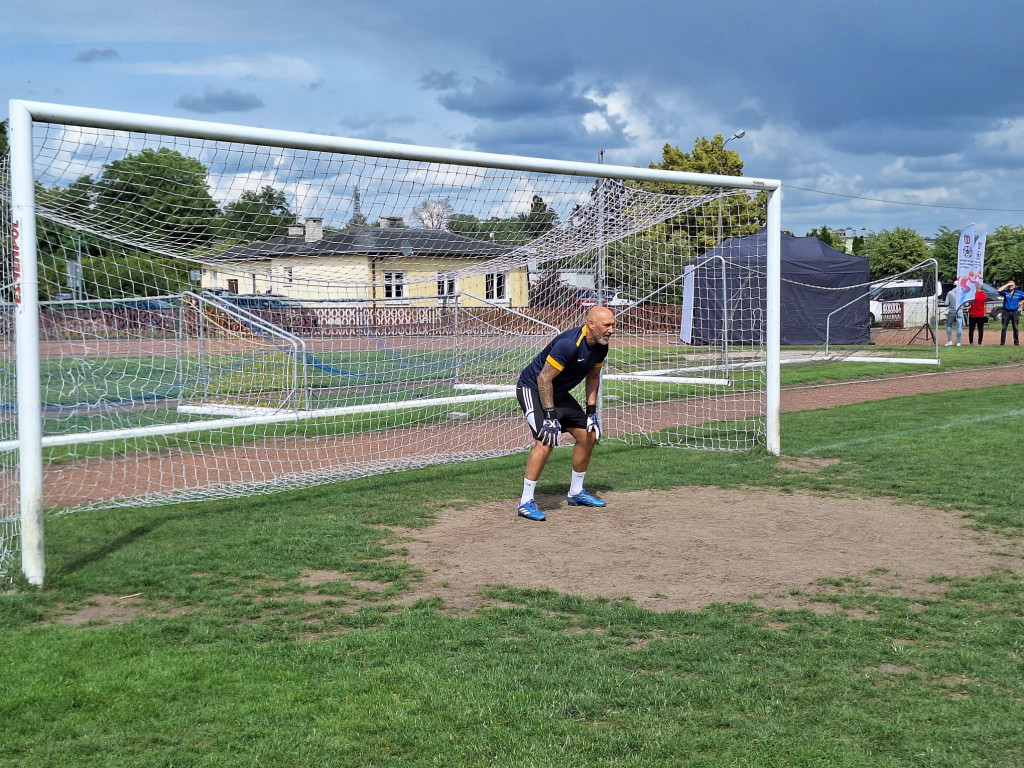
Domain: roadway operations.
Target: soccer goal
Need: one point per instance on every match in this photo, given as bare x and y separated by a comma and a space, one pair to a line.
204, 310
904, 313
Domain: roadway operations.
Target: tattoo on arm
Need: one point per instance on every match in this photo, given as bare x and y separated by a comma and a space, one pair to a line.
545, 386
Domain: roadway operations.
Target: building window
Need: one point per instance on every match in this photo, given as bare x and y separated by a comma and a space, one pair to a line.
496, 286
289, 276
445, 286
394, 285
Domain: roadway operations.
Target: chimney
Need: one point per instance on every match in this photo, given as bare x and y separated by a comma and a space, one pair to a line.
314, 229
392, 222
296, 230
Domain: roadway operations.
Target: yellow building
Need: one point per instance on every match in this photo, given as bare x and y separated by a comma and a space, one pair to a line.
393, 265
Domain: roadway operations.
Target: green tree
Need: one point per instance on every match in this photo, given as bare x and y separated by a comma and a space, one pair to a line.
56, 243
740, 214
829, 237
1004, 255
158, 197
944, 251
3, 137
541, 218
255, 216
893, 251
110, 268
133, 274
514, 230
708, 156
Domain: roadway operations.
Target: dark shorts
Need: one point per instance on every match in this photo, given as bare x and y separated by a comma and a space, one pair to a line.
568, 412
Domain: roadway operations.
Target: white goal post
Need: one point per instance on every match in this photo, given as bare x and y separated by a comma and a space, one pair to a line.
198, 309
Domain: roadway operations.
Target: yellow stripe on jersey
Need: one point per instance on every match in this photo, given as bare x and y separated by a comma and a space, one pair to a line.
583, 335
555, 364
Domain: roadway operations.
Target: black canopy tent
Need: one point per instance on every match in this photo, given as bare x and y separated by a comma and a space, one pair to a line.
816, 280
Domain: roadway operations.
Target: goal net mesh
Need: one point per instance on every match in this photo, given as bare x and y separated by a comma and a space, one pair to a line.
220, 318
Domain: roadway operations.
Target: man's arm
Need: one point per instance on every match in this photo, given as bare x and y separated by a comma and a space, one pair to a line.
545, 386
592, 384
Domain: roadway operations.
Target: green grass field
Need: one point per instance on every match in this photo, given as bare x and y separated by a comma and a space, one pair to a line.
230, 666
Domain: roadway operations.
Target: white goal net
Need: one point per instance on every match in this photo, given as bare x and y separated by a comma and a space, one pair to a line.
228, 311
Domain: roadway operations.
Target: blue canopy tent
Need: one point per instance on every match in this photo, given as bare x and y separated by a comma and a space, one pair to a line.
816, 281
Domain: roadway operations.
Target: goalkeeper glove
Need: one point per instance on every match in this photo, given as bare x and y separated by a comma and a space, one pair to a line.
548, 432
593, 425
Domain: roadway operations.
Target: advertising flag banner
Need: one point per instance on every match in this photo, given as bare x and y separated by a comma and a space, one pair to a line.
970, 263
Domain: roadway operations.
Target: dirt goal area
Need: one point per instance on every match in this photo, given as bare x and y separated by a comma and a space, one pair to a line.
687, 549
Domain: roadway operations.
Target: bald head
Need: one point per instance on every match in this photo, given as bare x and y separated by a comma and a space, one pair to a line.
600, 325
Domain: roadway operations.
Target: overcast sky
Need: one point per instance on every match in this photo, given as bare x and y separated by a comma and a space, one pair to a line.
894, 112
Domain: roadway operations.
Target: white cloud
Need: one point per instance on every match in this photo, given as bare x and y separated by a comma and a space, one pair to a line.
272, 67
621, 104
441, 176
1008, 138
594, 122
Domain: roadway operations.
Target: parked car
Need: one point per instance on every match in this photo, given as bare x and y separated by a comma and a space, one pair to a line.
910, 294
145, 305
591, 297
282, 311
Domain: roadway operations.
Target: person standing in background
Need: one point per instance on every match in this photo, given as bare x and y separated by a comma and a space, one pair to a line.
976, 317
954, 314
1011, 310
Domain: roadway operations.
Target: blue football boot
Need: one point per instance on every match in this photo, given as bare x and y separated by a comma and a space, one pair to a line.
531, 511
584, 499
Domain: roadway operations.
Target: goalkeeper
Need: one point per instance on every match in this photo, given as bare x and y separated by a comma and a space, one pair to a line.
543, 391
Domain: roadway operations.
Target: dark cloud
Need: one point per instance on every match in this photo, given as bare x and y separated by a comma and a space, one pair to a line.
899, 64
557, 137
219, 100
440, 81
537, 61
885, 136
522, 115
500, 99
380, 127
90, 55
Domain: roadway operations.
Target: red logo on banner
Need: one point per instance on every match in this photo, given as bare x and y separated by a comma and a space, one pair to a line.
16, 253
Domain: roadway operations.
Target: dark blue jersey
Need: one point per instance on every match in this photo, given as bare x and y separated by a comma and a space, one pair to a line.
571, 355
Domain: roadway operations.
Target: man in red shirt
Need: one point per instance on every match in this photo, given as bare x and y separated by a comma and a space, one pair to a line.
976, 317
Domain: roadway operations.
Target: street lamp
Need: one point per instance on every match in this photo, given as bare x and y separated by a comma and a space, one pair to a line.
737, 135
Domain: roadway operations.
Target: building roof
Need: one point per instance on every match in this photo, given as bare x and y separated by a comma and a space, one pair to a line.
367, 241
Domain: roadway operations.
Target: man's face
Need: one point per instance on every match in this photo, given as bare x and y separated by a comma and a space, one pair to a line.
602, 326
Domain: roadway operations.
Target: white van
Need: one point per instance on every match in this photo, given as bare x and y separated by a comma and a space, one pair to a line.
903, 303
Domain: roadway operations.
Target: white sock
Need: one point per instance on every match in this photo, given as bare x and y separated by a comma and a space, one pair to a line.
577, 483
528, 488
